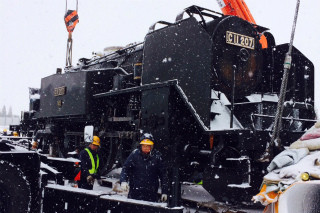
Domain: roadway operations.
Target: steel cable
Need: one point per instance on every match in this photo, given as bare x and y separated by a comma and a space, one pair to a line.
278, 117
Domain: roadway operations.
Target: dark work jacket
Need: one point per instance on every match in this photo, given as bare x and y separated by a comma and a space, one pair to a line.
85, 167
143, 173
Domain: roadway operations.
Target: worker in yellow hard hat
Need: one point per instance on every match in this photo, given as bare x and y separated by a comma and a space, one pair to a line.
96, 142
5, 132
146, 146
89, 164
142, 170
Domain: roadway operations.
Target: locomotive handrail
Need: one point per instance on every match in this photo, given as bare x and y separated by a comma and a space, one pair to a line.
189, 105
117, 52
136, 89
199, 11
118, 70
152, 27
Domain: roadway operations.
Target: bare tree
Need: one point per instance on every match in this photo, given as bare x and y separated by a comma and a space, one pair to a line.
4, 111
10, 112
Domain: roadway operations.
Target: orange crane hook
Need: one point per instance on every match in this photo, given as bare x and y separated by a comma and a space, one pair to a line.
71, 19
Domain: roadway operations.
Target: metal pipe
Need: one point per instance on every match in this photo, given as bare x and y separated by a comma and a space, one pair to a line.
232, 95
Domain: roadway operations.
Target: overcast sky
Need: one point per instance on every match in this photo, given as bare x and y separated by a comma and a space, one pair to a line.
33, 34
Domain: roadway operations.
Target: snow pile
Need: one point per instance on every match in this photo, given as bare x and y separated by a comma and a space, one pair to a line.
243, 185
70, 159
222, 118
34, 96
265, 97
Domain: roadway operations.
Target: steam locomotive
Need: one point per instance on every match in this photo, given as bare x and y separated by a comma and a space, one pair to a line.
203, 86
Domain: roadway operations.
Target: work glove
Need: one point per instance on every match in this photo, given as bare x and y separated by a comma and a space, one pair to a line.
124, 186
164, 197
90, 180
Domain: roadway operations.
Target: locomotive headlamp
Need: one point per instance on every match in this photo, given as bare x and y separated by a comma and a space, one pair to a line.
305, 176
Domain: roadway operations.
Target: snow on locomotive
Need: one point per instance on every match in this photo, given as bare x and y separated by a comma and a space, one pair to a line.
203, 86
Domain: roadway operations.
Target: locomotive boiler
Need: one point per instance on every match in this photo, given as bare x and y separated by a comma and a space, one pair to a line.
203, 86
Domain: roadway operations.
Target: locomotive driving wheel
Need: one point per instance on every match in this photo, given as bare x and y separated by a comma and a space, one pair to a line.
15, 190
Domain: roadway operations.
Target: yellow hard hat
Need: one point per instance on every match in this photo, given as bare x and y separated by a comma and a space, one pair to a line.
5, 130
15, 134
96, 141
147, 142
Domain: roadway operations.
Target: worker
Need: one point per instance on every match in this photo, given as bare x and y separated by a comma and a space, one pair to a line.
34, 145
15, 134
89, 164
142, 170
5, 133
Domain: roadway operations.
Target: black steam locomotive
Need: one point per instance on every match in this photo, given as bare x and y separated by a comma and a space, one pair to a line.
203, 86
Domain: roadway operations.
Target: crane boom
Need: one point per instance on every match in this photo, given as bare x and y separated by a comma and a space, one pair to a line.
236, 8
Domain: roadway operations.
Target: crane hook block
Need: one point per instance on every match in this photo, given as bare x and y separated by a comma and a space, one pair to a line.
71, 19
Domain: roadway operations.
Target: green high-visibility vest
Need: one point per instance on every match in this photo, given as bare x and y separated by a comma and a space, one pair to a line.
94, 168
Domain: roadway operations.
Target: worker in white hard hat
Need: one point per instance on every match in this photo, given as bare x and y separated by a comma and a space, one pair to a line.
34, 145
142, 170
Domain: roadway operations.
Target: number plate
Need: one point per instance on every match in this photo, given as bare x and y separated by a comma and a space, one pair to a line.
60, 91
239, 40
